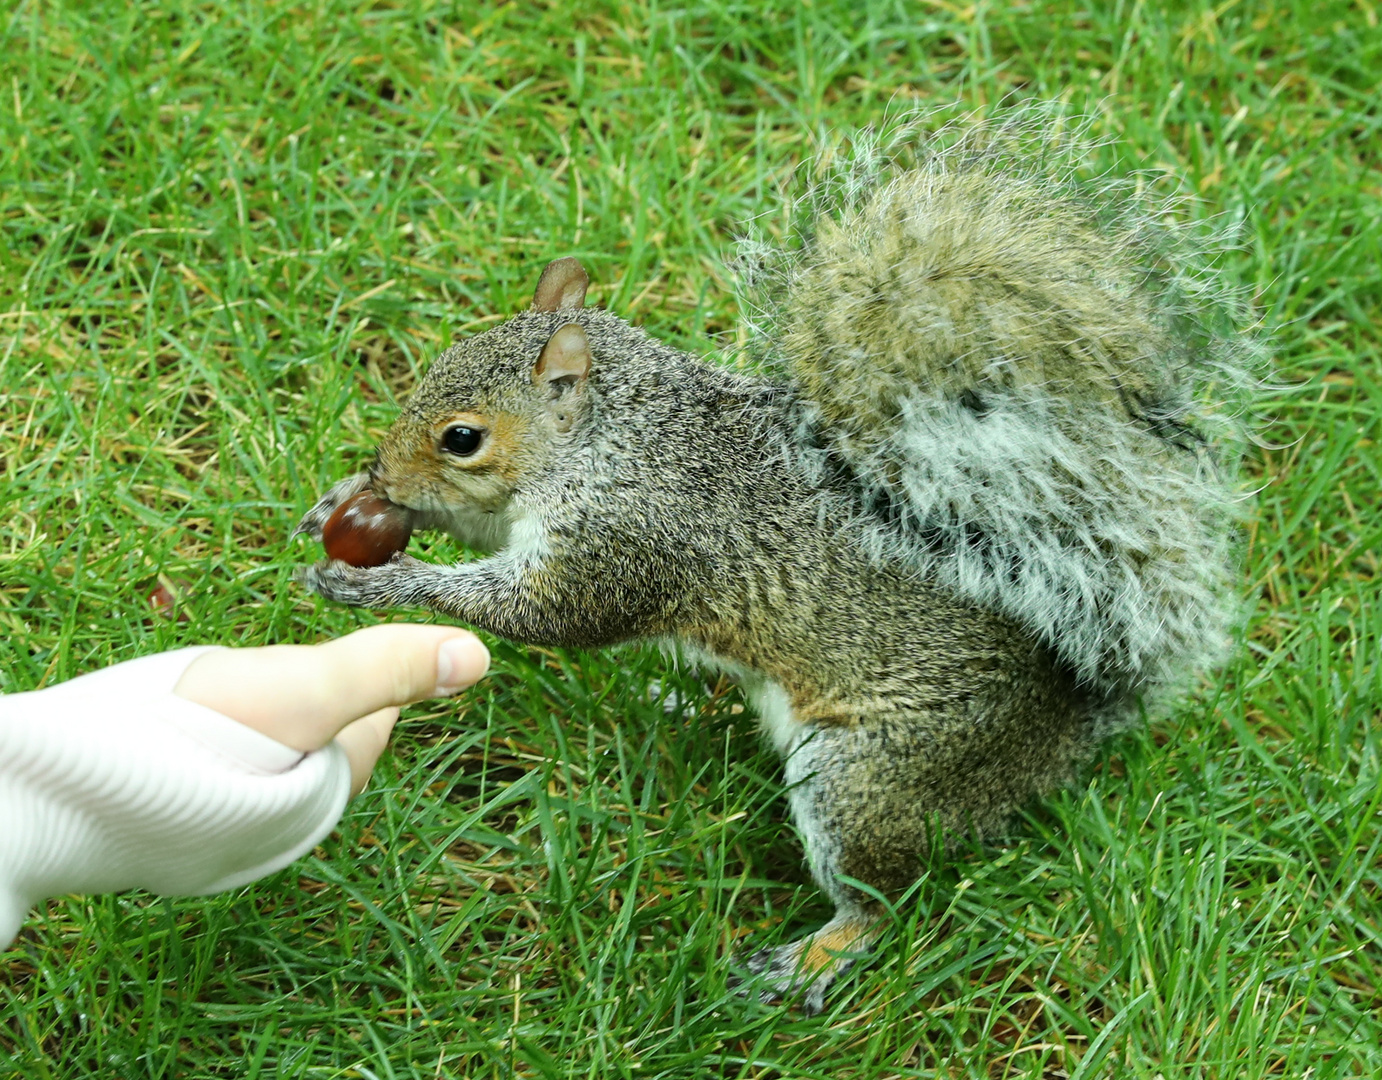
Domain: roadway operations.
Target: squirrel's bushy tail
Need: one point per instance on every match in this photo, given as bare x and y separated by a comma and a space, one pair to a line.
1030, 376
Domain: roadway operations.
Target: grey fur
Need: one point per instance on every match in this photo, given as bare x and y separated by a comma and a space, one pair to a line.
946, 548
1037, 372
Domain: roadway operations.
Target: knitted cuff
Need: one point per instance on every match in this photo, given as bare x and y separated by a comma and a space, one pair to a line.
111, 781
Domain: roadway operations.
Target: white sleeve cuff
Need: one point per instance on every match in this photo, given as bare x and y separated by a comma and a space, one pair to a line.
111, 782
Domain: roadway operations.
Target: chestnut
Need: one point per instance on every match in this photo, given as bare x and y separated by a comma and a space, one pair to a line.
366, 530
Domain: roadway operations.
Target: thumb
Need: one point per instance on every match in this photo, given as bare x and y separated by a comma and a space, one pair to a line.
302, 695
363, 741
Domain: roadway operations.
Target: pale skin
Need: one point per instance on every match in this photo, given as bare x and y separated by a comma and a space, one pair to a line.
349, 689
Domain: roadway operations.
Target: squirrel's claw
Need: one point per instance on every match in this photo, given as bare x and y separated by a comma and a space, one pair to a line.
382, 586
777, 973
314, 519
806, 968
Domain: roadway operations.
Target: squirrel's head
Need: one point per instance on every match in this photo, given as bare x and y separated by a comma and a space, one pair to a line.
491, 410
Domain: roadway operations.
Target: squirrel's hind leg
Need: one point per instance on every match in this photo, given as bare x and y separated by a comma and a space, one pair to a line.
856, 820
878, 799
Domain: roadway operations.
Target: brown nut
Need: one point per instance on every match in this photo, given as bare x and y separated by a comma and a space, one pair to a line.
366, 530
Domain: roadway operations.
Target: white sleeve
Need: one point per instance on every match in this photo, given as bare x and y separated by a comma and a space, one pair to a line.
111, 781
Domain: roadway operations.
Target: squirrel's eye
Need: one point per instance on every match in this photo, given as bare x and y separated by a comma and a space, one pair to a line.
462, 440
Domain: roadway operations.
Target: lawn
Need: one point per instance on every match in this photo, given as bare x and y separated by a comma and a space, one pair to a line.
232, 237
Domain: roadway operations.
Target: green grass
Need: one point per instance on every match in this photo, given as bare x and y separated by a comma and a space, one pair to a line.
233, 235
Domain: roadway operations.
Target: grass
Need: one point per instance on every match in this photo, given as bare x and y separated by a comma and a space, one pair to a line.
233, 235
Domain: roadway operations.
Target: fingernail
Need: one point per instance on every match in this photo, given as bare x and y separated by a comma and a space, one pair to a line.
460, 662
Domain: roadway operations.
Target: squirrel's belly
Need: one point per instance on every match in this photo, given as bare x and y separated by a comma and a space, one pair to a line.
775, 716
777, 720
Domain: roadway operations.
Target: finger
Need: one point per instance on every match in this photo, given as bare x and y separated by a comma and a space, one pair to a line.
302, 695
363, 742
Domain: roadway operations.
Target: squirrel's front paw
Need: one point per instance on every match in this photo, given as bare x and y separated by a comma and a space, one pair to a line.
362, 586
314, 519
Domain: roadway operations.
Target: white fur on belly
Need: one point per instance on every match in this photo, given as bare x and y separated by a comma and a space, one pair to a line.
768, 698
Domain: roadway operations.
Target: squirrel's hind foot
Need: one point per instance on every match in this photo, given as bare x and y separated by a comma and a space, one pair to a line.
809, 965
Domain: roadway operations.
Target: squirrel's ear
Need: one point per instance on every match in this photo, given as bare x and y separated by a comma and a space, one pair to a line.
565, 359
562, 285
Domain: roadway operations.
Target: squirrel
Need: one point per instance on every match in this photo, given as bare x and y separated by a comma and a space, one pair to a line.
970, 507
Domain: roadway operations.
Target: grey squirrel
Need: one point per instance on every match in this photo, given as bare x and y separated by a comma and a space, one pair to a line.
971, 505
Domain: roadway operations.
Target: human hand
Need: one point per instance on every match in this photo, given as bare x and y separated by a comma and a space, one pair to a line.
348, 689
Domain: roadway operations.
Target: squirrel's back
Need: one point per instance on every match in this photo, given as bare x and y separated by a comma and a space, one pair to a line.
1028, 377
